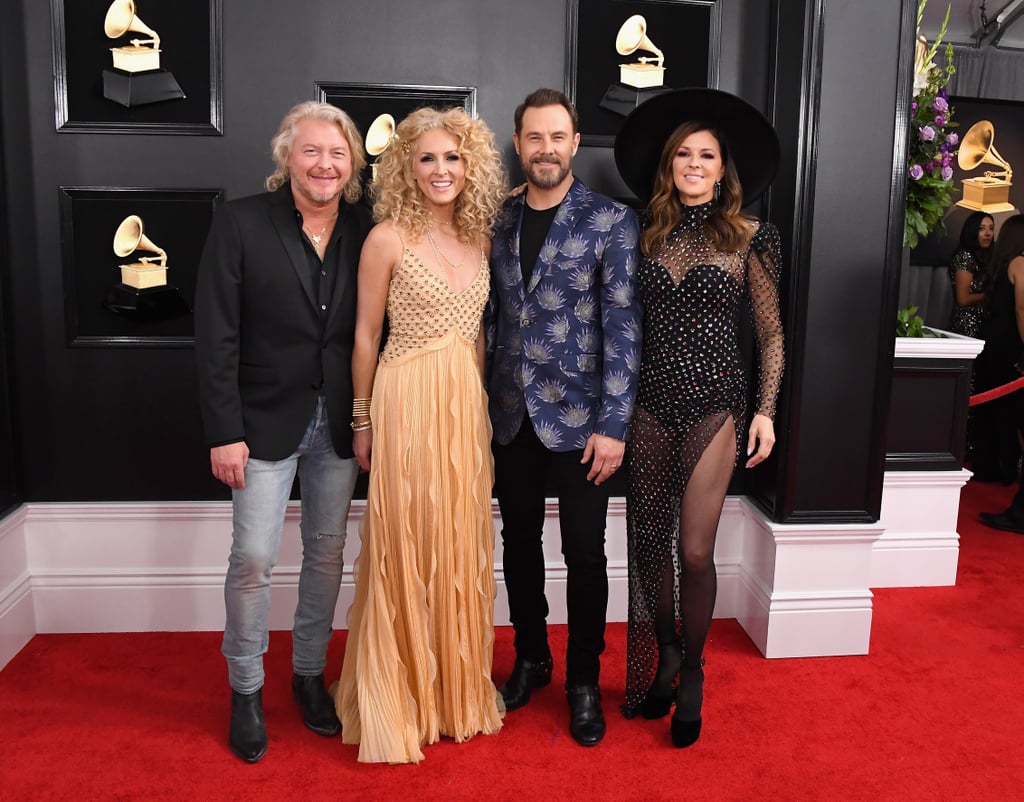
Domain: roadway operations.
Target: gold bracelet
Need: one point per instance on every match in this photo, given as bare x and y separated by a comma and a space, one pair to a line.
360, 407
361, 427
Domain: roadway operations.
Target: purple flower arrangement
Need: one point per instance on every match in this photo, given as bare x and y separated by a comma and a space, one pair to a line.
933, 143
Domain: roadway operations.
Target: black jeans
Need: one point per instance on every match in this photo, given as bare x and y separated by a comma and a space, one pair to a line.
523, 470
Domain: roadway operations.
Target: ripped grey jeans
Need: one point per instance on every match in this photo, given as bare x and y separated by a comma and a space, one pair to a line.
326, 482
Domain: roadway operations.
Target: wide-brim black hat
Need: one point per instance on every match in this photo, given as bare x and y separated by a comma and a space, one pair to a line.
752, 142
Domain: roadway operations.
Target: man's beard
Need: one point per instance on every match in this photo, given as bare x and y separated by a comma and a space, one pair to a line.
545, 179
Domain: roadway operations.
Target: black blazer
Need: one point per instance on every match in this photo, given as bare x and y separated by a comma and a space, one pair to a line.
260, 350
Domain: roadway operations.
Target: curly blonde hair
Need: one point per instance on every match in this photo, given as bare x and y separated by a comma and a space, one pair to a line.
396, 196
281, 144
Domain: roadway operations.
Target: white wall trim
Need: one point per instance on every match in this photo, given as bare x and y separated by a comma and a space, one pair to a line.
948, 346
919, 546
17, 615
806, 586
798, 590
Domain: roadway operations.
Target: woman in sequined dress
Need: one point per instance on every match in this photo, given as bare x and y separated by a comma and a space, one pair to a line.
968, 270
421, 632
704, 263
967, 273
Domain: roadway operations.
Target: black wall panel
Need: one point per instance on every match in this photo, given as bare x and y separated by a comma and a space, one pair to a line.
837, 78
121, 423
15, 220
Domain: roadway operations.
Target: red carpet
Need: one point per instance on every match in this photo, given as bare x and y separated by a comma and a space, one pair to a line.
936, 711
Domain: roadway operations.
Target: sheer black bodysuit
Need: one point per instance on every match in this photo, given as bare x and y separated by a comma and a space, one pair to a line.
692, 386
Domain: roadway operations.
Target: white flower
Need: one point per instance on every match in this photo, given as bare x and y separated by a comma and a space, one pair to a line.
575, 416
551, 391
537, 351
549, 436
586, 310
558, 329
575, 247
923, 66
550, 298
617, 383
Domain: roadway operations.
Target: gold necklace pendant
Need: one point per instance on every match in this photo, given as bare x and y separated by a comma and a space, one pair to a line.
316, 238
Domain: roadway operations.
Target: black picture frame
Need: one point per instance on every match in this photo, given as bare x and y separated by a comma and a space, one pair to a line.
364, 102
94, 311
592, 64
190, 33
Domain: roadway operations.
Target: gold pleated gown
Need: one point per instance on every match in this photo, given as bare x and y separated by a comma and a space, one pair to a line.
421, 628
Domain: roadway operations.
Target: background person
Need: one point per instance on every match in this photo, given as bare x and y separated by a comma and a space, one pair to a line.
967, 272
995, 448
1002, 360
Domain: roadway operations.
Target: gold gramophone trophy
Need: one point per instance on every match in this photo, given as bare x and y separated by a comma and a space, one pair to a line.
639, 80
143, 292
378, 137
990, 192
137, 78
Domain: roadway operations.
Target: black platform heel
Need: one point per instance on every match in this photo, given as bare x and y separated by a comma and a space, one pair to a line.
686, 721
658, 701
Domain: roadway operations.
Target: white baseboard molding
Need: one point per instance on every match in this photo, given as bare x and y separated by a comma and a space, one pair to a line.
152, 567
805, 587
919, 546
798, 590
17, 615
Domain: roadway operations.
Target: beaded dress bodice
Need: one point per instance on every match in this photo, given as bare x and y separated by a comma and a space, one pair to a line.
692, 295
422, 308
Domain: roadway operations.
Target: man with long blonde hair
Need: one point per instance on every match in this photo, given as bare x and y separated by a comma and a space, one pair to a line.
274, 319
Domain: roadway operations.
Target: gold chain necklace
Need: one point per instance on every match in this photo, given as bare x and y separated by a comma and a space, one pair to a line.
315, 238
443, 260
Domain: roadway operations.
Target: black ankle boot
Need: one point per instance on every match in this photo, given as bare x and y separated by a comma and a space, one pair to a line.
586, 719
526, 675
317, 705
686, 721
248, 736
660, 696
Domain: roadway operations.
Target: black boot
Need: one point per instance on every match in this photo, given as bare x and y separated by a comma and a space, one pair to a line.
586, 719
660, 696
686, 721
526, 675
248, 736
318, 711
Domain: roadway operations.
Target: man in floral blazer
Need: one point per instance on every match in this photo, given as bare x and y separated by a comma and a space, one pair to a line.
564, 349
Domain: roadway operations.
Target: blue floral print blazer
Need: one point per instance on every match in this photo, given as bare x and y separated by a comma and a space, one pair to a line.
565, 349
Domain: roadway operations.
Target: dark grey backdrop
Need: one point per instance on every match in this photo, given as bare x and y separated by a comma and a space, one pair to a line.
121, 424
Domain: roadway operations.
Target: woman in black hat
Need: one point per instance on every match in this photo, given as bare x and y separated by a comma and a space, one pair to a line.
703, 262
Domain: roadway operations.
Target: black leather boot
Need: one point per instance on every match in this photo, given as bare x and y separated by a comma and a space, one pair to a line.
248, 736
526, 675
686, 721
318, 711
586, 719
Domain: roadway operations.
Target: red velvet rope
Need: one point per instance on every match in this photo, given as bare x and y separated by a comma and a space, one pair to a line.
997, 392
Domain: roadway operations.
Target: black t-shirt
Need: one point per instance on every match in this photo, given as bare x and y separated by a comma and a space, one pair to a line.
531, 236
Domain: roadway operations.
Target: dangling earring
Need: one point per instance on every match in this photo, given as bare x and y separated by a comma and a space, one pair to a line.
718, 190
